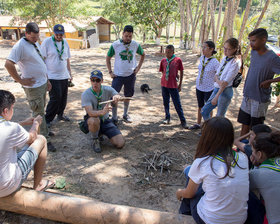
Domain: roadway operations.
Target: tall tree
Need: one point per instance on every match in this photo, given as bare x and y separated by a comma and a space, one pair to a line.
218, 22
182, 16
245, 18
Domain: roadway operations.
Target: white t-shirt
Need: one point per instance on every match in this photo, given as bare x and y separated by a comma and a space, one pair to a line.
125, 57
57, 69
29, 61
230, 71
12, 135
207, 82
225, 200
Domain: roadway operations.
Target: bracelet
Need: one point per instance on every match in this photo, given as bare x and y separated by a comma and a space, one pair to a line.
110, 72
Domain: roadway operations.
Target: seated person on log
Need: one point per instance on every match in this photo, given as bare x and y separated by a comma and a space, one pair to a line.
15, 167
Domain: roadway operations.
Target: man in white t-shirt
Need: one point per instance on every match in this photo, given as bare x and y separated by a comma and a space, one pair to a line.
125, 67
56, 51
27, 55
15, 167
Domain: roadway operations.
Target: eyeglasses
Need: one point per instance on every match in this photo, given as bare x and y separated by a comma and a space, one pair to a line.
95, 80
228, 49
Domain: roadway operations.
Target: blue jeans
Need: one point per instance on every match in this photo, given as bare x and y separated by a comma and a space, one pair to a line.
189, 205
174, 93
223, 102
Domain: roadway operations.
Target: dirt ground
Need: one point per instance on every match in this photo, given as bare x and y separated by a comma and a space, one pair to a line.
122, 176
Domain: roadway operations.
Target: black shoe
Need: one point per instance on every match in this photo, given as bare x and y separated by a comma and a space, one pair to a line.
115, 121
49, 124
51, 147
51, 134
184, 125
63, 118
166, 121
101, 138
96, 146
127, 118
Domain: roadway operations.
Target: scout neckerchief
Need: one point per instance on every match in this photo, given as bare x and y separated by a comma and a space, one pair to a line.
203, 68
272, 164
2, 119
127, 53
60, 52
37, 49
224, 65
98, 97
233, 163
167, 66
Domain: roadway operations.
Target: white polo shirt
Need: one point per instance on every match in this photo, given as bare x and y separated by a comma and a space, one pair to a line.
57, 69
29, 61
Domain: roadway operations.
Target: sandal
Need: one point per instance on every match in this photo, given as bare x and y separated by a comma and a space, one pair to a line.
49, 185
195, 127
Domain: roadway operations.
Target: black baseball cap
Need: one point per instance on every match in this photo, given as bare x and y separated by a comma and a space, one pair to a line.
96, 74
58, 29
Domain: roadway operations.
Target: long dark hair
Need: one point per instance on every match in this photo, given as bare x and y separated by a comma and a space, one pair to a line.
268, 143
217, 137
211, 45
233, 42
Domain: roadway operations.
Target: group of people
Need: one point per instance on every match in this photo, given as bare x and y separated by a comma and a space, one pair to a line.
217, 189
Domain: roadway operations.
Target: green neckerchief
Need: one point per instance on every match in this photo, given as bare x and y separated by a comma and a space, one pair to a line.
224, 65
98, 97
203, 68
37, 49
2, 119
167, 66
272, 164
127, 53
60, 52
233, 163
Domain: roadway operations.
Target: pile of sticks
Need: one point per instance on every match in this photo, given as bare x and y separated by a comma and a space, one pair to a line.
157, 161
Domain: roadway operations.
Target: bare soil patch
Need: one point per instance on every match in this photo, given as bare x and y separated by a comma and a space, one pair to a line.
122, 176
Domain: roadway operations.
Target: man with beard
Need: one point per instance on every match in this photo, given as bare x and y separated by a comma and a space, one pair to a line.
125, 68
57, 57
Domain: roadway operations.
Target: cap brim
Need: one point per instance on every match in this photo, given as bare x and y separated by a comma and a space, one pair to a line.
95, 76
59, 32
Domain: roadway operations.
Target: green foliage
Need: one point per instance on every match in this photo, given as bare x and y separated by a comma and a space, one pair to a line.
60, 183
276, 88
50, 11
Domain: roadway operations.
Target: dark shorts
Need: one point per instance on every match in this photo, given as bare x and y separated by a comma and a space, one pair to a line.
107, 127
202, 97
246, 119
128, 83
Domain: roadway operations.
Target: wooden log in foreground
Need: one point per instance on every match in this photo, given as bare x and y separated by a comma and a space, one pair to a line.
79, 210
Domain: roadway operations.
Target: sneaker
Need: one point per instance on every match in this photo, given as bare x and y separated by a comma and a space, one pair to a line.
195, 127
51, 147
101, 138
63, 118
96, 146
49, 125
127, 118
166, 121
184, 125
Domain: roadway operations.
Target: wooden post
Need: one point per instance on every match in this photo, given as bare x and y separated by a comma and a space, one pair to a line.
79, 210
1, 33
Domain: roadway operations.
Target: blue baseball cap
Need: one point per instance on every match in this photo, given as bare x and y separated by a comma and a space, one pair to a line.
96, 74
58, 29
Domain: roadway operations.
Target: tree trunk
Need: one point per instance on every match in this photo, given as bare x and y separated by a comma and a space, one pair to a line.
194, 26
187, 24
245, 18
258, 23
182, 10
218, 22
212, 12
203, 22
174, 36
229, 23
167, 31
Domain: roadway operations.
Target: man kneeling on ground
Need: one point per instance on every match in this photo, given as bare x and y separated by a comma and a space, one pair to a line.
15, 167
97, 118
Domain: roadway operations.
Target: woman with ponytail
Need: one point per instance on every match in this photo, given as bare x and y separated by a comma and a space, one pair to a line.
265, 177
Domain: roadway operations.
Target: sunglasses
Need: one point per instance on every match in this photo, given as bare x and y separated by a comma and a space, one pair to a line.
95, 80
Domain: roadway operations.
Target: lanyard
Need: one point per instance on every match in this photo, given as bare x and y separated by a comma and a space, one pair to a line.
224, 65
60, 52
168, 65
233, 163
2, 119
203, 68
272, 164
37, 49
